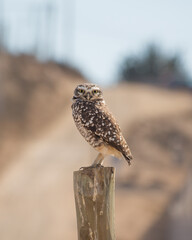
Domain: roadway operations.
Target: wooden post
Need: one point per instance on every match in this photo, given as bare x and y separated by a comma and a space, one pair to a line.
94, 199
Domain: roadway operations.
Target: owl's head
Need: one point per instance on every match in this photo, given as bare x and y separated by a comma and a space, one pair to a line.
87, 92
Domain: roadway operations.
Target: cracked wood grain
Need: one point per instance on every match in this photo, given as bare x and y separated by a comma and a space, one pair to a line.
94, 199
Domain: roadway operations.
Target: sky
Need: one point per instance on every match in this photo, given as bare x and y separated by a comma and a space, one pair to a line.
96, 35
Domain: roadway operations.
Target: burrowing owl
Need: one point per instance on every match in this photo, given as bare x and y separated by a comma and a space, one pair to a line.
97, 125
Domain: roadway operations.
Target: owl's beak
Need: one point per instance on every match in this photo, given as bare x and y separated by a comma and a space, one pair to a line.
88, 96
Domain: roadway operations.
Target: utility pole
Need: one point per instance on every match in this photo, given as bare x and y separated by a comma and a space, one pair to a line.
2, 27
69, 29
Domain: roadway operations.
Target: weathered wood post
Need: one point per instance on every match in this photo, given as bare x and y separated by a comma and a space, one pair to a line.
94, 199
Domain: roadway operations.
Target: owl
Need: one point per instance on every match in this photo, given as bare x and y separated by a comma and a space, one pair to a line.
97, 125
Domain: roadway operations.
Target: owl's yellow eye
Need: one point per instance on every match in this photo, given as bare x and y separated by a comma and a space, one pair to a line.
81, 91
95, 91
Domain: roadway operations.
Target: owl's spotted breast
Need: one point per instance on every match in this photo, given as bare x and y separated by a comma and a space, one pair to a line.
83, 115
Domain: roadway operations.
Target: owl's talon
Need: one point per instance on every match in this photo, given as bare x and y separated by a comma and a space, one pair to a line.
92, 166
82, 168
99, 166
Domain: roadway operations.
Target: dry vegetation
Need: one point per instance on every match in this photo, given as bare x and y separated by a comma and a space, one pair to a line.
36, 195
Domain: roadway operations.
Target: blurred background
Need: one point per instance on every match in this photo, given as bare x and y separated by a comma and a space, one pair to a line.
140, 53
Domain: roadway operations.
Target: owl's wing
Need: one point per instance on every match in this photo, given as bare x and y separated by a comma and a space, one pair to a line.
105, 126
108, 129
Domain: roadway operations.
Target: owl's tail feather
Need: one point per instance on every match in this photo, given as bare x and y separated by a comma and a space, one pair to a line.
128, 158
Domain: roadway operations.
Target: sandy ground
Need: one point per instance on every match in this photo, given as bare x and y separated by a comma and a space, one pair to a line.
36, 191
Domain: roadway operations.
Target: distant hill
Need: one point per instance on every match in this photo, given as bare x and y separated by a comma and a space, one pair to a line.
32, 95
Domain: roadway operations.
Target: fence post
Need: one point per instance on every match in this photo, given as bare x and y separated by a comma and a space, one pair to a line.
94, 190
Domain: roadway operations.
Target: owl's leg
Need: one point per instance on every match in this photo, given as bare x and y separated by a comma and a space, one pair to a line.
98, 161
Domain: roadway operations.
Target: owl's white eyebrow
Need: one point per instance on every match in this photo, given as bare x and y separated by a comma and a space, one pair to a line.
95, 88
84, 88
